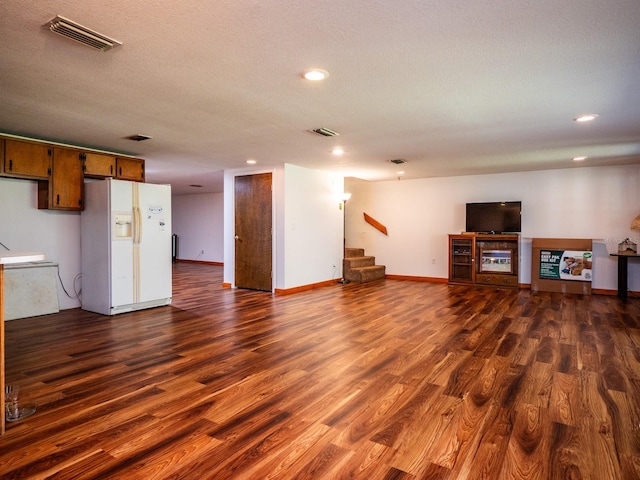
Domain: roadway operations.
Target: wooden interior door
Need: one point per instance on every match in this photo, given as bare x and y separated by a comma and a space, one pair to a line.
253, 227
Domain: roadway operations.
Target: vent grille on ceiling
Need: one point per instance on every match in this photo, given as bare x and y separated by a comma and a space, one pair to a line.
75, 31
138, 137
326, 132
398, 161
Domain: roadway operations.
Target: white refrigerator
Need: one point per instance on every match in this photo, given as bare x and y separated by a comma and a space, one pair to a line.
126, 246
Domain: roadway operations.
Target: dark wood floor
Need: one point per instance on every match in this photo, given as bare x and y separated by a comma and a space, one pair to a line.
388, 380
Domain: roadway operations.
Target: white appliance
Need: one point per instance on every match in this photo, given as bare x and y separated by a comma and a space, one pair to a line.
126, 246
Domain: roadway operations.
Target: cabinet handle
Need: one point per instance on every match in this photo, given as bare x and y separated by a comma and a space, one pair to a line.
10, 164
120, 171
58, 199
49, 171
111, 169
48, 151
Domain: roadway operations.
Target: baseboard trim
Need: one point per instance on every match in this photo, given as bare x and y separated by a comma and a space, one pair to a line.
595, 291
602, 291
523, 286
202, 262
411, 278
304, 288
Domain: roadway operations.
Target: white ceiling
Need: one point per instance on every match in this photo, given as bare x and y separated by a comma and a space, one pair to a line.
454, 87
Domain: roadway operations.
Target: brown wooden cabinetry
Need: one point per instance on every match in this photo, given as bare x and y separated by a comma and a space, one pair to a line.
65, 188
461, 259
99, 165
60, 169
130, 169
483, 259
27, 160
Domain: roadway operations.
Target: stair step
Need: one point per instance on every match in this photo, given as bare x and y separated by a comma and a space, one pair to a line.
355, 262
366, 274
358, 267
353, 252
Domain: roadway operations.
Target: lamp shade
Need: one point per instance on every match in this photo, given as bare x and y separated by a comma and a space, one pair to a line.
635, 225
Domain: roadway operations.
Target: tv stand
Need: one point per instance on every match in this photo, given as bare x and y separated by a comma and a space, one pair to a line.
489, 259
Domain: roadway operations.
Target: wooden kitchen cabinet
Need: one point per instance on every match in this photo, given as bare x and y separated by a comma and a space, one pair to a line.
98, 165
27, 160
130, 169
65, 188
60, 169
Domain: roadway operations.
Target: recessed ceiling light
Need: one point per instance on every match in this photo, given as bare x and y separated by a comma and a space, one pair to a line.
337, 151
315, 74
251, 161
587, 117
401, 172
579, 159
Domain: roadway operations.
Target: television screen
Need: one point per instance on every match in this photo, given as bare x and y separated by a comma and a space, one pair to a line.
494, 217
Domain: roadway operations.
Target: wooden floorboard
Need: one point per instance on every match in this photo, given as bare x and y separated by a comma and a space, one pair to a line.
386, 380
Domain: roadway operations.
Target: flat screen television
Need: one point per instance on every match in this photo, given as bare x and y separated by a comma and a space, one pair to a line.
494, 217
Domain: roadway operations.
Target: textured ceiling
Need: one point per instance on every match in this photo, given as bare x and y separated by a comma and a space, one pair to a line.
454, 87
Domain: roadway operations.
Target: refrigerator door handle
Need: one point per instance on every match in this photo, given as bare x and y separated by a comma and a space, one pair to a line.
136, 226
139, 228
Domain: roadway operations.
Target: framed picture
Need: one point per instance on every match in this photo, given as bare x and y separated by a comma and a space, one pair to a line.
496, 260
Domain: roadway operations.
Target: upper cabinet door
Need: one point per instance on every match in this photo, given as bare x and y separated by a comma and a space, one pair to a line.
65, 189
130, 169
27, 160
98, 165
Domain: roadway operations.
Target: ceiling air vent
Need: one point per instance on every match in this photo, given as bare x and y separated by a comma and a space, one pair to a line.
398, 161
325, 132
75, 31
138, 137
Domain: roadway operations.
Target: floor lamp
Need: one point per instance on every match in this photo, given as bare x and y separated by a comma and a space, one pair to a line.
345, 198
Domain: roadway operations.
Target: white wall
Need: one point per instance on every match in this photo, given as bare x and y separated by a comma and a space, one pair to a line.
307, 238
312, 226
587, 202
198, 220
56, 233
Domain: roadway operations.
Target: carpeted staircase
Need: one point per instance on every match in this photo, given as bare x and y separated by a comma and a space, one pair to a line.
357, 267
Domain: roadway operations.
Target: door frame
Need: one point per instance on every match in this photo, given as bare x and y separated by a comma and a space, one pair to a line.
229, 223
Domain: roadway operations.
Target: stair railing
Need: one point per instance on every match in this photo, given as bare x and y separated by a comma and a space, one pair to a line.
375, 224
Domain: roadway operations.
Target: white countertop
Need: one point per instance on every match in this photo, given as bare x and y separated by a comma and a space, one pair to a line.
20, 257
